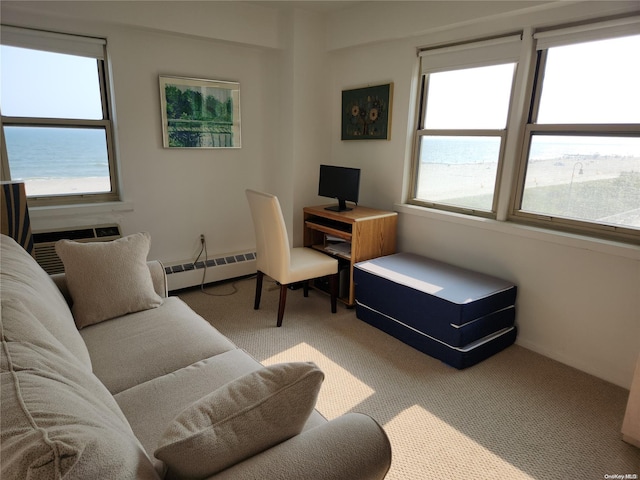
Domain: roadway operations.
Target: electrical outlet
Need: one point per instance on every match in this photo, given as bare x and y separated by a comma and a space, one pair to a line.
202, 238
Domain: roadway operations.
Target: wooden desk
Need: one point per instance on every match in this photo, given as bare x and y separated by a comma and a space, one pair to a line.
371, 233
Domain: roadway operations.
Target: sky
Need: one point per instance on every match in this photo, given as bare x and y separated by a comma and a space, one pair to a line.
471, 98
594, 82
38, 84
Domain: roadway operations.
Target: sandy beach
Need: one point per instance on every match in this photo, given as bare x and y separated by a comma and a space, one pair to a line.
459, 180
73, 186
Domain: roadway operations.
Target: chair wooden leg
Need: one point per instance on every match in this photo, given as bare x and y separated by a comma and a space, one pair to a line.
283, 300
333, 283
259, 277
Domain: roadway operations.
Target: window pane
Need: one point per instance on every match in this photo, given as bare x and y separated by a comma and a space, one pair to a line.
593, 178
55, 161
458, 171
470, 98
49, 85
595, 82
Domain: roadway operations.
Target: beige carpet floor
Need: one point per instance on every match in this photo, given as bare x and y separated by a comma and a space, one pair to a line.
516, 415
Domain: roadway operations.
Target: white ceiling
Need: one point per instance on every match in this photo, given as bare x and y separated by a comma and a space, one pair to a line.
320, 6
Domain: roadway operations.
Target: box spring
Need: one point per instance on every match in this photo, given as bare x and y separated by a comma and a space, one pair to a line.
436, 307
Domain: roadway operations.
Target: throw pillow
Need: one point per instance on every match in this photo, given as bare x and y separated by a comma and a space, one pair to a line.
240, 419
108, 279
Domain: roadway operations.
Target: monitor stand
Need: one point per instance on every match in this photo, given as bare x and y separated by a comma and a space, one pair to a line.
341, 207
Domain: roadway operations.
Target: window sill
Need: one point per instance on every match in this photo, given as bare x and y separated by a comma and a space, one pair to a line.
608, 247
79, 209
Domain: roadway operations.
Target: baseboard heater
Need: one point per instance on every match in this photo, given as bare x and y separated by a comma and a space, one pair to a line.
185, 274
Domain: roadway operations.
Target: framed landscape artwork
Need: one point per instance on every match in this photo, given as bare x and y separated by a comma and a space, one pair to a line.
199, 113
366, 113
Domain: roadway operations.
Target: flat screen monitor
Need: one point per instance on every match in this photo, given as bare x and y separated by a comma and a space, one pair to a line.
342, 183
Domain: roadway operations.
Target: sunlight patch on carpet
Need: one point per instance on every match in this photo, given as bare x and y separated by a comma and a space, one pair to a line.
438, 447
334, 399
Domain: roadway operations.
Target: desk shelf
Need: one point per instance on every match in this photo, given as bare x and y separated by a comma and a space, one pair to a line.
346, 235
372, 233
324, 249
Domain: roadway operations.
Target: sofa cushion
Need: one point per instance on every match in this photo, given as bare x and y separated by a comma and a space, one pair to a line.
34, 348
108, 279
243, 418
57, 419
23, 279
149, 413
150, 344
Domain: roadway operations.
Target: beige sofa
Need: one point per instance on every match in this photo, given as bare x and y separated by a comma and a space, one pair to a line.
97, 398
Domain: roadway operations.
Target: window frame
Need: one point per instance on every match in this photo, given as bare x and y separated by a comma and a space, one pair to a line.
531, 128
503, 133
32, 39
520, 130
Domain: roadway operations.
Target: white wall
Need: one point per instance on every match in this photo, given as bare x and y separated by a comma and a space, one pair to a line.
578, 300
312, 131
175, 194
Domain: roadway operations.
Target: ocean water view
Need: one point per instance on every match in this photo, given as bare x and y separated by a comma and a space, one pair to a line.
53, 152
471, 150
44, 153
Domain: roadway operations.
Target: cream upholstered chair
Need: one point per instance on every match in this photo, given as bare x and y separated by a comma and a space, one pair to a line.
277, 260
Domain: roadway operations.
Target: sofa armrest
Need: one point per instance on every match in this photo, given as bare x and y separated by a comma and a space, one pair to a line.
158, 276
352, 447
61, 282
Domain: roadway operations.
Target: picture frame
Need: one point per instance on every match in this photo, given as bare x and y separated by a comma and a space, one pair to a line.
199, 113
366, 113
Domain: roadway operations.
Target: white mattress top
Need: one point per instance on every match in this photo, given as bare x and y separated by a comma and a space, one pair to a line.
455, 284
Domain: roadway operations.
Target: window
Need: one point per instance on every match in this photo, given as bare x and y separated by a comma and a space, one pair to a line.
56, 118
565, 105
465, 100
581, 161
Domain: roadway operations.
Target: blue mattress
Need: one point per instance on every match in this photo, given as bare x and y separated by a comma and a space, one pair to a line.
458, 357
456, 315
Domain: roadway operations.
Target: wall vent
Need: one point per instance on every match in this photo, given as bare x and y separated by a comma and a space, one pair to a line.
44, 242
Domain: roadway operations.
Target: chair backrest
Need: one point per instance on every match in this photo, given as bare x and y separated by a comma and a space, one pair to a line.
272, 242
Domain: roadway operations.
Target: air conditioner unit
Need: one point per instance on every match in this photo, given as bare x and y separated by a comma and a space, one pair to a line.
44, 242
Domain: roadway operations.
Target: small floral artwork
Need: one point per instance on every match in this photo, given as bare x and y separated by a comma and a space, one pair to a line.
366, 113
